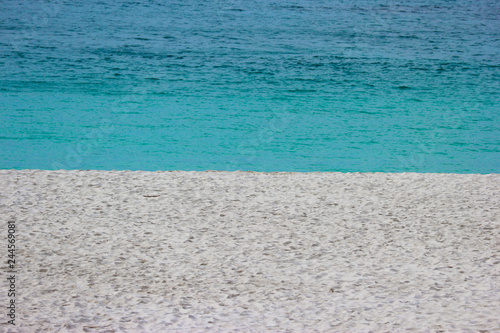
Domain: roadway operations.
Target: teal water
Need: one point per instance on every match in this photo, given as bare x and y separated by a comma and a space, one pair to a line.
366, 86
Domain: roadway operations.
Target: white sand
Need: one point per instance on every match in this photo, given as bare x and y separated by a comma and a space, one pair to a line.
219, 251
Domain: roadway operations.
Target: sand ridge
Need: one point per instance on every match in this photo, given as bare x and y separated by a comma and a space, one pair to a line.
225, 251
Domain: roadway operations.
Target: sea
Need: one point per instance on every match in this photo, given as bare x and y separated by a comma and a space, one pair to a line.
261, 85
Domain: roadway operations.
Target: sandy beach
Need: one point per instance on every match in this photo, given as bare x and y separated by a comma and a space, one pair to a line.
123, 251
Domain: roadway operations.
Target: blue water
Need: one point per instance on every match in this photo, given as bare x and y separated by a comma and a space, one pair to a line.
368, 85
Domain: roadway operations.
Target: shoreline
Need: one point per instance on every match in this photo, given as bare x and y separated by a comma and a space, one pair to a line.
222, 251
251, 171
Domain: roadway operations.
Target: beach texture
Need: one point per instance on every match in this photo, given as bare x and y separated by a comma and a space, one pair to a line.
123, 251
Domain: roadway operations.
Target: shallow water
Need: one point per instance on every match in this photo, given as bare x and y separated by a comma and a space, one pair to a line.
225, 85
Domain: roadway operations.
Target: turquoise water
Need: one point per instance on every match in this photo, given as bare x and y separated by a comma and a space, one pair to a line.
367, 86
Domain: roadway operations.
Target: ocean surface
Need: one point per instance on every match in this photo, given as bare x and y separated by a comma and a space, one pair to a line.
362, 85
